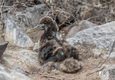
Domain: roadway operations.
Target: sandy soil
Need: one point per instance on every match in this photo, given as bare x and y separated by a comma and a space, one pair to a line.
89, 65
90, 71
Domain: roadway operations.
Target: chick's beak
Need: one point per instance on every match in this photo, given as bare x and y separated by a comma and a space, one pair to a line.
39, 27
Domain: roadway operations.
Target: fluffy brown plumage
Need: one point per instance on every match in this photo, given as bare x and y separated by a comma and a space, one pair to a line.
52, 48
50, 29
52, 51
56, 51
68, 65
46, 51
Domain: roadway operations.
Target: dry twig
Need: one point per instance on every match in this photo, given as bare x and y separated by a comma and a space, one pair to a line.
95, 71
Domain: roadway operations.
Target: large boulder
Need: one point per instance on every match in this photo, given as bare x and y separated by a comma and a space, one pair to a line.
36, 47
21, 60
81, 26
8, 74
108, 73
29, 18
102, 36
14, 34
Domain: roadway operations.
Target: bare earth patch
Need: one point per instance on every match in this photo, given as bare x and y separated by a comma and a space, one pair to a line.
90, 71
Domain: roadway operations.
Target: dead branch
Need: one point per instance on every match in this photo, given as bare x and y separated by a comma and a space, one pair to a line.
100, 69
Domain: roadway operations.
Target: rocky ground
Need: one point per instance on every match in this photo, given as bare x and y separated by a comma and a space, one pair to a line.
93, 33
25, 62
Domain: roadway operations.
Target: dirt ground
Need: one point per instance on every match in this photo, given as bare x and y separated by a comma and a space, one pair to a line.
84, 74
90, 71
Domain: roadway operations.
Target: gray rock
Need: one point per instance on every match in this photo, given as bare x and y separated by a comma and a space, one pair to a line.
81, 26
108, 73
96, 35
3, 46
84, 24
8, 74
15, 35
29, 18
102, 36
36, 47
21, 60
